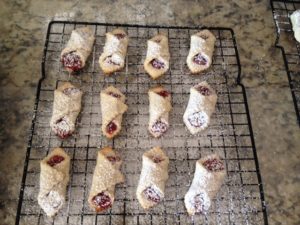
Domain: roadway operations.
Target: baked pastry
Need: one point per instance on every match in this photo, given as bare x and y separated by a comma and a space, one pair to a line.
209, 176
201, 51
154, 174
295, 19
112, 107
200, 107
78, 49
114, 52
159, 108
66, 107
158, 56
54, 178
106, 176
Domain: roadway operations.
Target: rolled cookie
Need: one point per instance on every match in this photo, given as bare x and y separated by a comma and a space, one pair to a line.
114, 53
106, 176
78, 49
154, 174
159, 108
200, 107
112, 108
66, 108
201, 51
54, 178
209, 176
158, 56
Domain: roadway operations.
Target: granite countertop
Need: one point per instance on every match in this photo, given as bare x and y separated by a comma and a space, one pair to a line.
277, 135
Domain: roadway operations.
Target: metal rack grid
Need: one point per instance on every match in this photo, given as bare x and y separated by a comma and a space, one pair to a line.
241, 198
289, 46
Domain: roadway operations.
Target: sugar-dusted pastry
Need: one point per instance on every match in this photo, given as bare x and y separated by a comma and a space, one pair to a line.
200, 107
295, 19
106, 176
159, 108
78, 49
114, 52
112, 107
201, 51
66, 107
154, 174
54, 178
209, 176
158, 56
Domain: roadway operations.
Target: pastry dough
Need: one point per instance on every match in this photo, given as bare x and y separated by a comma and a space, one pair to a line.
78, 49
54, 178
113, 57
200, 107
295, 19
112, 107
209, 176
66, 107
158, 56
154, 174
106, 176
201, 51
160, 106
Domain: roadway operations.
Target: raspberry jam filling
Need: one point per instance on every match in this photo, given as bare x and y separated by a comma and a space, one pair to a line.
110, 61
157, 64
54, 160
199, 203
200, 59
203, 90
111, 127
213, 165
203, 36
157, 159
114, 94
101, 201
164, 93
70, 91
151, 194
72, 61
159, 127
120, 36
198, 119
113, 159
62, 128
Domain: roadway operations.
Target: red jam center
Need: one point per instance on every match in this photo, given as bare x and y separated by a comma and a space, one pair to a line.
151, 195
70, 91
157, 64
197, 119
54, 160
113, 159
62, 128
164, 93
203, 90
101, 201
199, 203
110, 61
111, 127
114, 94
120, 35
200, 60
203, 36
159, 127
157, 159
213, 165
72, 61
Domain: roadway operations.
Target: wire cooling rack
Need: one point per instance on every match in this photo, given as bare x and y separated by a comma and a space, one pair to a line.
241, 198
289, 46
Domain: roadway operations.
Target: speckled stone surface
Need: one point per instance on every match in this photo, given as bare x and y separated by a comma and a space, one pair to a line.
277, 135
